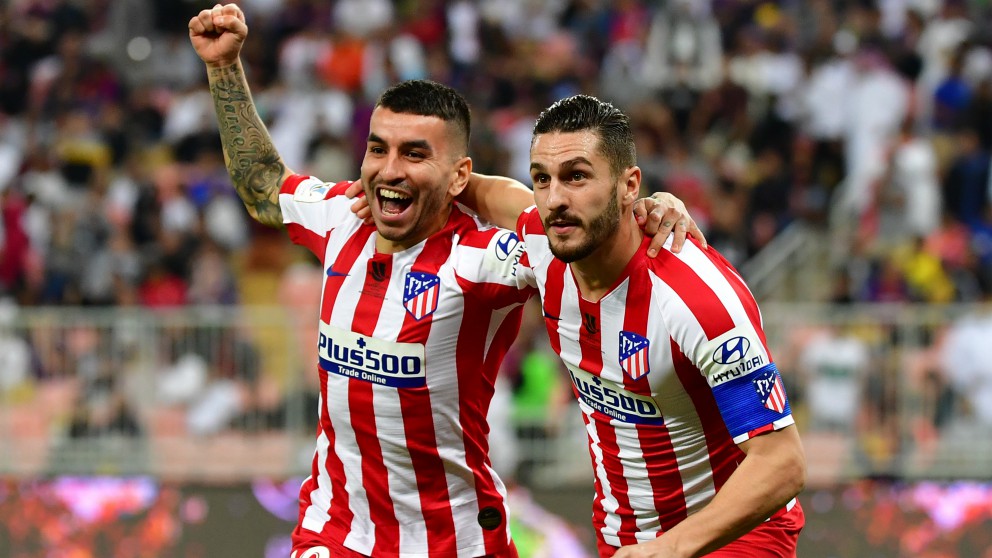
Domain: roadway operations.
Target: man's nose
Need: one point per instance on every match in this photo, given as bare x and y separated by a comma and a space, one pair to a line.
392, 170
557, 197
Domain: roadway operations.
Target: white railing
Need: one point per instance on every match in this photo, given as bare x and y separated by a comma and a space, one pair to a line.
792, 267
225, 394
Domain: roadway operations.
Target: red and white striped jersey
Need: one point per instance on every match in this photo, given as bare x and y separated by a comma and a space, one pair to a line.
671, 372
409, 347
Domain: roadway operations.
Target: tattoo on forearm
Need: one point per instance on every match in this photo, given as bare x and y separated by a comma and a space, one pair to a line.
252, 159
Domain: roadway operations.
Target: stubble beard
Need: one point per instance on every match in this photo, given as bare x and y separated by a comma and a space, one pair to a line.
602, 227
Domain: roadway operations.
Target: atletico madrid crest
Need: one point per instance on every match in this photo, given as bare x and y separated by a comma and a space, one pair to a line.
420, 293
771, 391
634, 354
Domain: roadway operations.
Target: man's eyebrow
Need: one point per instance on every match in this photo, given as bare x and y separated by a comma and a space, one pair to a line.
410, 144
565, 165
576, 162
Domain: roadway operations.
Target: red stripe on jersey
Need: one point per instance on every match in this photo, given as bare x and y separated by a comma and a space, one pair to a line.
342, 264
598, 512
590, 337
479, 239
591, 345
529, 219
760, 430
418, 423
637, 309
694, 292
312, 241
743, 293
504, 337
375, 479
292, 181
524, 260
655, 442
724, 453
554, 290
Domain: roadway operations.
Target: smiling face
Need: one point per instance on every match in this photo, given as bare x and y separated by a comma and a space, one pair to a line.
576, 195
411, 172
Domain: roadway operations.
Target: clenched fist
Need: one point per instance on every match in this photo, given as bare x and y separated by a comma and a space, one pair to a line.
218, 33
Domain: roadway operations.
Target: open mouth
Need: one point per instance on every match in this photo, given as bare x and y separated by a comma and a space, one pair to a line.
392, 202
561, 226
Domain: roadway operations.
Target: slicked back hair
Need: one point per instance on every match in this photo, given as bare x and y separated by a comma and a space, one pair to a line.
429, 98
582, 112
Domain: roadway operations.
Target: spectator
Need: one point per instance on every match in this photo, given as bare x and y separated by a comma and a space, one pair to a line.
836, 364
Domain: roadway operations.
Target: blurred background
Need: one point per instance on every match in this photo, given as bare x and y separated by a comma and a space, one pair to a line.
157, 390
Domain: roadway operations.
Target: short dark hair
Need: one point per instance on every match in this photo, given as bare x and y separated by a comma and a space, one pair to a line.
582, 112
429, 98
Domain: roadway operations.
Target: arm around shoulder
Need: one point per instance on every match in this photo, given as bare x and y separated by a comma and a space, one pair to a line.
497, 199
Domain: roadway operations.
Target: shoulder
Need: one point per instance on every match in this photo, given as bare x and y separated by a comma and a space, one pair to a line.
492, 251
705, 285
693, 266
530, 223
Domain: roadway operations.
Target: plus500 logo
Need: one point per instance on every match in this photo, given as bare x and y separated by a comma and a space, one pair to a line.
615, 402
386, 363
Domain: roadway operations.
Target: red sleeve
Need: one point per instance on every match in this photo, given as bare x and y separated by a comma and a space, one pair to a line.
299, 196
529, 220
293, 181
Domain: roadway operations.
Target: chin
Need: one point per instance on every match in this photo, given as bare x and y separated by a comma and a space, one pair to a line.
568, 254
391, 233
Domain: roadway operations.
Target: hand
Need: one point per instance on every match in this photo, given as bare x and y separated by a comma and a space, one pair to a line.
361, 206
661, 214
218, 33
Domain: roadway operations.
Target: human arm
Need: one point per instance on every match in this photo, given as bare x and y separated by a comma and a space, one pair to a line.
256, 169
501, 200
772, 473
498, 199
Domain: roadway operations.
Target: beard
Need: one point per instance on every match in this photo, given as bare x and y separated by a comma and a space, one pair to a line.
601, 228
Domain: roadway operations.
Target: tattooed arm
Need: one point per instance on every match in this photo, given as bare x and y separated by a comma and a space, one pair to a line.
255, 166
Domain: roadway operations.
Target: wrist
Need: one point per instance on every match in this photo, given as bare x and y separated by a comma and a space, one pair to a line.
221, 64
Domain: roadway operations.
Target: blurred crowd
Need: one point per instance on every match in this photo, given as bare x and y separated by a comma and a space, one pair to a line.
869, 121
873, 116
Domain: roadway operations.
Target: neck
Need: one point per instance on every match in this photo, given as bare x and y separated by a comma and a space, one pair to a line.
596, 273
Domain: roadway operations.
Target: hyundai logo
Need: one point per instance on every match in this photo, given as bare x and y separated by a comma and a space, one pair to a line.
731, 350
505, 245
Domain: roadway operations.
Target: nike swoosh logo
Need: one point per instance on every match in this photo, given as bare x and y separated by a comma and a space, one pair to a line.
332, 273
550, 317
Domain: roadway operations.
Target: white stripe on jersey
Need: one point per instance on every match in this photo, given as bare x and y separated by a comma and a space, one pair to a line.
316, 513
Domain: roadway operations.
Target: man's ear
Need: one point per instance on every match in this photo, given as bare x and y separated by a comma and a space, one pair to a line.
462, 171
631, 179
